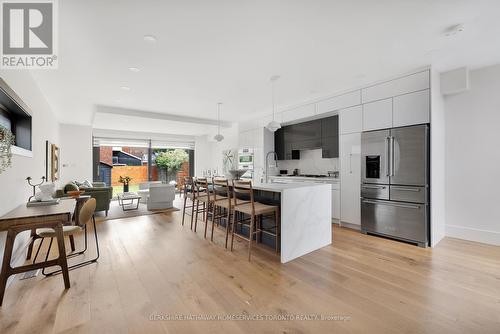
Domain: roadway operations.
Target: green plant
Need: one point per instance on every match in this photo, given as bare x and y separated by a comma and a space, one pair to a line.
125, 180
6, 141
171, 160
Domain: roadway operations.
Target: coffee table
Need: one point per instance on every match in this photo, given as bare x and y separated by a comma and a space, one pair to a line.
128, 200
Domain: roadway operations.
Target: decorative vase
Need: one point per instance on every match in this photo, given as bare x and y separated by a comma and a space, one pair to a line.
125, 188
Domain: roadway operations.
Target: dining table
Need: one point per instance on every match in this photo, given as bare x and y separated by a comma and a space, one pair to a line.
24, 218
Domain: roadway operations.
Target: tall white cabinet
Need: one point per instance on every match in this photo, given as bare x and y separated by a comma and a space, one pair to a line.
350, 127
350, 171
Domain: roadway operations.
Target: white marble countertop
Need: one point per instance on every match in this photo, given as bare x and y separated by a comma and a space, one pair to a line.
304, 178
279, 187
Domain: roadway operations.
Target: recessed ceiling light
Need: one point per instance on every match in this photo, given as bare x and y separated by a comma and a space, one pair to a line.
456, 29
149, 38
126, 88
134, 69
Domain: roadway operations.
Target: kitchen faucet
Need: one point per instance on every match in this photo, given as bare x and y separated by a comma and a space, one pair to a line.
275, 157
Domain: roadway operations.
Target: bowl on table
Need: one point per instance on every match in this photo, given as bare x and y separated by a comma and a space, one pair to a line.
237, 173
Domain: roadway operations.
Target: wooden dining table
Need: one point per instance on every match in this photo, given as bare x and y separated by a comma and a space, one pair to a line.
25, 218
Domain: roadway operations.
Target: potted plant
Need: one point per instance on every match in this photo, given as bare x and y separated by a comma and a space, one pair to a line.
6, 141
169, 163
125, 180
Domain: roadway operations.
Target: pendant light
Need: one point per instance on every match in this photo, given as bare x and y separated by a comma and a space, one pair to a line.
218, 136
273, 125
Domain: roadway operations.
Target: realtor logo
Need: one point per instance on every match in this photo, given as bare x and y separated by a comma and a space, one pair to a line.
28, 34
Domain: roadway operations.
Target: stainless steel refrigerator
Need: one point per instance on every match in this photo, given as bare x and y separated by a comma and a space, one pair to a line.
395, 183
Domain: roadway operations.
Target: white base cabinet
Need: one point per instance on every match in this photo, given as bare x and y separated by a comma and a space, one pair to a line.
350, 173
336, 204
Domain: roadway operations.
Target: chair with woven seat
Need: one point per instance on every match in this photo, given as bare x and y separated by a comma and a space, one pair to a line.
208, 198
199, 194
187, 192
244, 204
86, 214
222, 206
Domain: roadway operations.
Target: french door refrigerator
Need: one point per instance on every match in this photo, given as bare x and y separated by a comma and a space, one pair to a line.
395, 183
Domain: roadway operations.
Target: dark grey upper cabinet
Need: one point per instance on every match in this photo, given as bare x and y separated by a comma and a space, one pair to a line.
279, 143
330, 137
321, 133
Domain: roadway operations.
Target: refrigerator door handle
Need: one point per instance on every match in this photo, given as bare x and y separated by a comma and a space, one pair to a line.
374, 187
417, 190
398, 205
388, 156
392, 155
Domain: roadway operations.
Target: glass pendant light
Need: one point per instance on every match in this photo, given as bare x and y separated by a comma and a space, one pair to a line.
273, 125
218, 137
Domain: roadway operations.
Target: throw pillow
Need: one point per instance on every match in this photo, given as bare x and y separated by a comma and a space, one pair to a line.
78, 183
70, 187
87, 184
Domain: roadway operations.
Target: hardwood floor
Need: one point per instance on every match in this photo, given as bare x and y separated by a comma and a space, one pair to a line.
152, 266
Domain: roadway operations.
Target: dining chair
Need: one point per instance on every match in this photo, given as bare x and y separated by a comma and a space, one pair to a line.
85, 215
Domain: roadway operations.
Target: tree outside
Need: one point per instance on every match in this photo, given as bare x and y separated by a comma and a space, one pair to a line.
169, 162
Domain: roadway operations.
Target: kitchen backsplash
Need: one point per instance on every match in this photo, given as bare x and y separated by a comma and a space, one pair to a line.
310, 162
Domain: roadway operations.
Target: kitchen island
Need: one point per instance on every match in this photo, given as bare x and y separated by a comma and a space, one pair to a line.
306, 213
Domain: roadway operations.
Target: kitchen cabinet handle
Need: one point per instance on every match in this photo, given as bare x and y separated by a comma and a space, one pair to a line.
350, 163
406, 206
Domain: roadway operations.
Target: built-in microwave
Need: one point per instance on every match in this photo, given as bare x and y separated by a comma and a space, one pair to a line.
245, 157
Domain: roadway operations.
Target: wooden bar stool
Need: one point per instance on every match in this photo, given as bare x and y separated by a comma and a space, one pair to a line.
222, 206
188, 194
246, 205
200, 188
208, 203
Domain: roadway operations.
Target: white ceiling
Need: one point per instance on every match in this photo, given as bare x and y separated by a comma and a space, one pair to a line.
211, 51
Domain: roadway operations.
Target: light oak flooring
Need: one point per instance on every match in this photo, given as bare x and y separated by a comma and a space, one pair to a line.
151, 265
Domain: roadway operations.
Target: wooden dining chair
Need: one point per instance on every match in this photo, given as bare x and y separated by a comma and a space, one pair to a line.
245, 205
86, 215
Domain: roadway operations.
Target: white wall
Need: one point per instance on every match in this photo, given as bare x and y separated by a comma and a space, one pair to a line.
473, 159
76, 152
15, 190
208, 152
438, 161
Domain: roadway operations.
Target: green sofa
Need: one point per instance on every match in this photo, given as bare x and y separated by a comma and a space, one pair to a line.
99, 191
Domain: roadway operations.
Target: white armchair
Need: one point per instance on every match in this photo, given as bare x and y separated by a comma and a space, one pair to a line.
161, 196
144, 190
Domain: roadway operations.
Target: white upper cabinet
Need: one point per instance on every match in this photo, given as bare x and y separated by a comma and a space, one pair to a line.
309, 110
377, 115
339, 102
351, 120
410, 109
407, 84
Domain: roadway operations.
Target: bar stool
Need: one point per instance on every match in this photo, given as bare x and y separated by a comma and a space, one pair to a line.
222, 206
208, 203
200, 188
248, 206
187, 192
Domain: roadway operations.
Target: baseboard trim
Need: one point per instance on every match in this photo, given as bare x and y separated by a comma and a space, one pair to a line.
473, 234
351, 226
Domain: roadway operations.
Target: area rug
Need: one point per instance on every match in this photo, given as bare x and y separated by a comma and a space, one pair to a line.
116, 212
